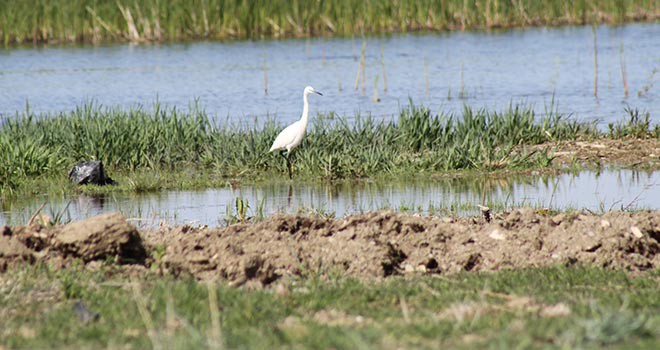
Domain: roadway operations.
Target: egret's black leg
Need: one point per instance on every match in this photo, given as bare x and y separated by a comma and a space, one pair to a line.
285, 154
289, 165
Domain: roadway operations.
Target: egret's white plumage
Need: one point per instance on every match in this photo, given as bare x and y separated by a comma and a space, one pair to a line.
293, 134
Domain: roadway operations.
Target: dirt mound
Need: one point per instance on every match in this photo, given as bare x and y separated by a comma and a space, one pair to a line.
380, 244
373, 245
104, 237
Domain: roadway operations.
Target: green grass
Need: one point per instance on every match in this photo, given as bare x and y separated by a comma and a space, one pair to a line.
146, 20
638, 126
166, 148
592, 308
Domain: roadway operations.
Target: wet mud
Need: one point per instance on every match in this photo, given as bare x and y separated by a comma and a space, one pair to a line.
629, 152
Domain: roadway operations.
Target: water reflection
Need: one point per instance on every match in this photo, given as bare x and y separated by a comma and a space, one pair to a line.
597, 191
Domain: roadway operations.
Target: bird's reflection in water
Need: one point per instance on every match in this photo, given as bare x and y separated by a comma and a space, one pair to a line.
289, 196
91, 204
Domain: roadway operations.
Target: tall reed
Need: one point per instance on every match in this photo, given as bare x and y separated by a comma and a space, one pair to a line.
593, 30
624, 74
146, 20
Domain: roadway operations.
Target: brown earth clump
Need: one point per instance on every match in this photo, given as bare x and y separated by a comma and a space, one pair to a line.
103, 237
373, 245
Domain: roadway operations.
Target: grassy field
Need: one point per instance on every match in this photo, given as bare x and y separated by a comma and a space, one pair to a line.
57, 21
554, 307
174, 149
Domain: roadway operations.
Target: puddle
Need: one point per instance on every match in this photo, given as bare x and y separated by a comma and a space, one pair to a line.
596, 191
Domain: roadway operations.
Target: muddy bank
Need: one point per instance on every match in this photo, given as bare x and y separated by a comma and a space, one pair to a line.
629, 152
373, 245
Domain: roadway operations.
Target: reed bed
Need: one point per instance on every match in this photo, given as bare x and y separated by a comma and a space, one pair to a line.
169, 140
146, 20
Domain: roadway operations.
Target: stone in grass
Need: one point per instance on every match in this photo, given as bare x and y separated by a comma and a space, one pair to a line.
84, 314
89, 172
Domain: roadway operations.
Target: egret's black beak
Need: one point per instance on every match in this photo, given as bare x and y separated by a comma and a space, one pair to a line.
318, 92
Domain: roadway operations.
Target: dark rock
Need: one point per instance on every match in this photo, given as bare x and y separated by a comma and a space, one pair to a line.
89, 172
84, 314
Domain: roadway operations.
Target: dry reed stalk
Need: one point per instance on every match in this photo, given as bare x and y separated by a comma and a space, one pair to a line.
144, 23
461, 92
624, 74
426, 77
593, 29
357, 76
145, 315
101, 21
463, 14
521, 10
171, 322
205, 18
360, 73
265, 75
158, 32
489, 21
133, 34
382, 63
405, 311
363, 64
216, 330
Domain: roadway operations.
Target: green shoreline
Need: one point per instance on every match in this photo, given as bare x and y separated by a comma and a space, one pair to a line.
90, 21
168, 149
601, 308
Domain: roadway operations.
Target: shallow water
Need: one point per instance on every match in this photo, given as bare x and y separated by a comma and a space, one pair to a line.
596, 191
491, 68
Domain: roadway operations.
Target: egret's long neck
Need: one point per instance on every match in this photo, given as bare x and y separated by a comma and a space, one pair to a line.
305, 112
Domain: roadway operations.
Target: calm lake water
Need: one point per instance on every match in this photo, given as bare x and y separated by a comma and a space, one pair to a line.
597, 191
444, 71
492, 69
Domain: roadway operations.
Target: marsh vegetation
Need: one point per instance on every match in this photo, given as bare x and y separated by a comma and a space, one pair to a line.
144, 20
413, 276
169, 140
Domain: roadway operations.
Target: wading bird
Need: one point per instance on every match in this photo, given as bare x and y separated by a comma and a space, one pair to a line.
293, 134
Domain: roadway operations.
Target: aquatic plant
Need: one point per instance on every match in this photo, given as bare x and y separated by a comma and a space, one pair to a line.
169, 139
146, 20
638, 125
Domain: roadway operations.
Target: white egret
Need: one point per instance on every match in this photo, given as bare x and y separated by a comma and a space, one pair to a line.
293, 134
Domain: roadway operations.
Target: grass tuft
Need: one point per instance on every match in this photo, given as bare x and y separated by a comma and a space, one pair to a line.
164, 140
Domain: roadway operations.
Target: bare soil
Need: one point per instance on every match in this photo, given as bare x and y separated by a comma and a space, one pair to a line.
373, 245
629, 152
